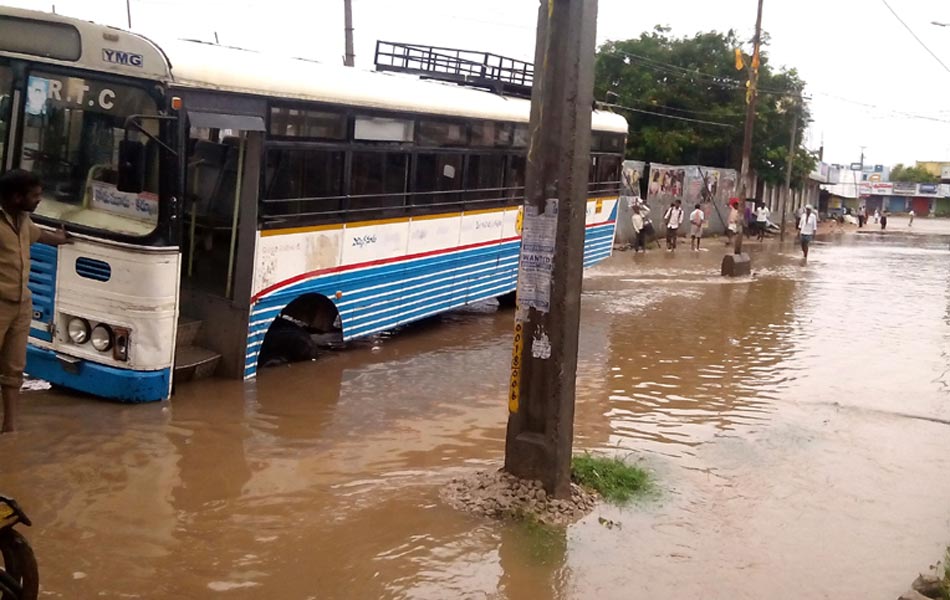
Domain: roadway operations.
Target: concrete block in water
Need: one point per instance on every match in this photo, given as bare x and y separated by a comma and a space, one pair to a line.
736, 265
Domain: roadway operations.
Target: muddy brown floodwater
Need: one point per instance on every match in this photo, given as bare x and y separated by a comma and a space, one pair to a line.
797, 424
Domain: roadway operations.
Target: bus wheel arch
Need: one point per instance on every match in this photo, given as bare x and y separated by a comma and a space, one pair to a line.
293, 336
314, 311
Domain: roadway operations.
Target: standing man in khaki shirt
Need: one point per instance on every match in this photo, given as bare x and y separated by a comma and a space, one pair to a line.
20, 193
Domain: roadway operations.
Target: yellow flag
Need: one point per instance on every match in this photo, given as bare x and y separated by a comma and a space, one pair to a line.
740, 64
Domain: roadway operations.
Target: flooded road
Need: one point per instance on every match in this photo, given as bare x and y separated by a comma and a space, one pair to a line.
797, 423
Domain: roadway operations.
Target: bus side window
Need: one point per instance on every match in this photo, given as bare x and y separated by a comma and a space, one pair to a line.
515, 176
303, 181
441, 133
377, 180
607, 173
592, 173
484, 177
437, 173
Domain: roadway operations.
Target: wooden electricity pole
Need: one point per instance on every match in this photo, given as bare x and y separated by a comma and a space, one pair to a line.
789, 162
753, 93
349, 59
539, 439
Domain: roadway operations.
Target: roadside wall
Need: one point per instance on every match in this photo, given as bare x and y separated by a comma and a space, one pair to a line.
710, 187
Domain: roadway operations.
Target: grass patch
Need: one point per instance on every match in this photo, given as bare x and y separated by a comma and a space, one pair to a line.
613, 479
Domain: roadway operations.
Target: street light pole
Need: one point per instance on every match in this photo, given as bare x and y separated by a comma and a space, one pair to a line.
539, 440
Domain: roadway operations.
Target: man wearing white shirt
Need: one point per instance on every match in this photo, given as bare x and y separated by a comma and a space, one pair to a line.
762, 214
673, 218
808, 227
696, 220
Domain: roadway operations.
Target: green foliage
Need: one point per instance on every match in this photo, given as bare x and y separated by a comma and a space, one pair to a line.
613, 479
695, 78
912, 174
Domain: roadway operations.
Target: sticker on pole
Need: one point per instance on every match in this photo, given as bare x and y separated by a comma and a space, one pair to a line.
541, 346
514, 385
538, 245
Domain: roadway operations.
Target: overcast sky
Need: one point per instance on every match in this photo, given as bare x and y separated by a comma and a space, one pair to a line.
860, 63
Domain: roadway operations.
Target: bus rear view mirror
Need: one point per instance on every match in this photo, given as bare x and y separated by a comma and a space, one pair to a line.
131, 166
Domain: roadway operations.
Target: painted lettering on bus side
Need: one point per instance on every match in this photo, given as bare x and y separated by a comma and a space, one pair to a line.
119, 57
491, 224
364, 240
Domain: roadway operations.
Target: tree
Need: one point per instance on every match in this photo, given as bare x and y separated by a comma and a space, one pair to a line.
685, 103
912, 174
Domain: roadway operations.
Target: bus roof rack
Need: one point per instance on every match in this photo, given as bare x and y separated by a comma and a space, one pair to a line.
500, 74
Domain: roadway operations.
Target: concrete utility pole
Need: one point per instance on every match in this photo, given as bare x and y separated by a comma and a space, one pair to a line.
349, 60
788, 167
738, 263
745, 171
540, 433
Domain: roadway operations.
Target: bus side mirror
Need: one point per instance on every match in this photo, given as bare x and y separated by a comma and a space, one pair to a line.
131, 167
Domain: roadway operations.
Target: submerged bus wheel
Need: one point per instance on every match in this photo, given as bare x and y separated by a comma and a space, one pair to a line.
286, 342
309, 322
507, 301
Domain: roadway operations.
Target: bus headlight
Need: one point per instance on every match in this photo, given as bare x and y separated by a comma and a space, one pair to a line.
78, 330
102, 337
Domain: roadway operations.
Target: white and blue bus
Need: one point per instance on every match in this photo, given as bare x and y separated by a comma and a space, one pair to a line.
226, 203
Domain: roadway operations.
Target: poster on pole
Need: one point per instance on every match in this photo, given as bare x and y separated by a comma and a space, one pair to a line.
536, 263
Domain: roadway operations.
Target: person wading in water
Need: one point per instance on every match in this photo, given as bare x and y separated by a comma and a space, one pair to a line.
20, 193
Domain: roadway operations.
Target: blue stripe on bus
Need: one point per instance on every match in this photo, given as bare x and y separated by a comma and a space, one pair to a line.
396, 314
497, 288
124, 385
380, 277
370, 275
438, 283
374, 311
42, 284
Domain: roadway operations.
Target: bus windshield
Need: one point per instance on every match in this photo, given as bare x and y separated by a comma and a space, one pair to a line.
71, 132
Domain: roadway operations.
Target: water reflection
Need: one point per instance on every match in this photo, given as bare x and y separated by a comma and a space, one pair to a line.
693, 363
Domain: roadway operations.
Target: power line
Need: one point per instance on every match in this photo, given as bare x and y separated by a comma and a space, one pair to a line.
656, 114
722, 81
718, 80
684, 110
919, 41
884, 110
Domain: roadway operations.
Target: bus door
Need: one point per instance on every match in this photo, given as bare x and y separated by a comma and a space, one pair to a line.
221, 165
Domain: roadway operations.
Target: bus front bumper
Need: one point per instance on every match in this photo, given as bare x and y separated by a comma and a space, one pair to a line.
124, 385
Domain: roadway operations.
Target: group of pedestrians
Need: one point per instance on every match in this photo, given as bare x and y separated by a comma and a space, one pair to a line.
674, 217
